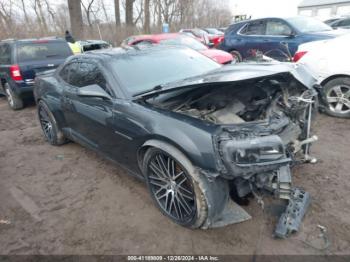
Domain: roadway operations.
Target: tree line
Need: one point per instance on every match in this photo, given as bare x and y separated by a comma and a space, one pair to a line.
112, 20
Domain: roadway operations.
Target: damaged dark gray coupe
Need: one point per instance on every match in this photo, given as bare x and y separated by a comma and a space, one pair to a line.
196, 132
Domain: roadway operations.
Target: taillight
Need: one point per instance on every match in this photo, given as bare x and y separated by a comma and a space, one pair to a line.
298, 56
15, 73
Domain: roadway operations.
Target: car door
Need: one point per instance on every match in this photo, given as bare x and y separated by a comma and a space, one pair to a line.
90, 119
279, 40
250, 37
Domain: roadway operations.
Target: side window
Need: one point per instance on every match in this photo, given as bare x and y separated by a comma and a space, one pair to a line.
69, 71
64, 73
254, 28
85, 74
5, 54
274, 27
344, 23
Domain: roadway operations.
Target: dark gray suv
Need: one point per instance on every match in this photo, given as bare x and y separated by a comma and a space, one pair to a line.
21, 60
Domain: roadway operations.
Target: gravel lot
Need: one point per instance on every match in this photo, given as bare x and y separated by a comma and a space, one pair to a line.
68, 200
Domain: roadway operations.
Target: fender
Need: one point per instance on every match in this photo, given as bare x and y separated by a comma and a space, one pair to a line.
221, 210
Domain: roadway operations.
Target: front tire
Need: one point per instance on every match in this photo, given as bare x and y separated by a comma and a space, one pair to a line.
337, 93
14, 101
174, 187
51, 131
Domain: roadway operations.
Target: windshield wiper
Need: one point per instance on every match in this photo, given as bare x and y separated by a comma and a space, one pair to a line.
156, 88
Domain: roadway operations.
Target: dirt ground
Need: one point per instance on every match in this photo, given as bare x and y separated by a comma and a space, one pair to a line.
68, 200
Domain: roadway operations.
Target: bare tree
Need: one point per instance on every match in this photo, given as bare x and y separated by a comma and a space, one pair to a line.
147, 23
88, 8
41, 18
129, 12
26, 18
117, 12
6, 17
49, 17
76, 18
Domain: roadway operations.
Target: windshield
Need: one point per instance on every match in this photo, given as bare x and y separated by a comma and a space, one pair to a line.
141, 71
185, 41
41, 50
308, 24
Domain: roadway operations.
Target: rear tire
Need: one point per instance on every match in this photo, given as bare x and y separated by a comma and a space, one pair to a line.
174, 187
14, 101
48, 123
337, 94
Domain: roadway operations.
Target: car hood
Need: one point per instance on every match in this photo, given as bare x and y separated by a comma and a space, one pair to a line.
238, 73
328, 34
219, 56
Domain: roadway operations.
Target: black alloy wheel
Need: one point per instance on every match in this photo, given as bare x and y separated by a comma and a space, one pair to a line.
172, 188
46, 123
49, 126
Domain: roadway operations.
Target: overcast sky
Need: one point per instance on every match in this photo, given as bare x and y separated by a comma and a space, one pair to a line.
261, 8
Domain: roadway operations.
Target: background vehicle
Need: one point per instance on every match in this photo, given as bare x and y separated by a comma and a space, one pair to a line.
177, 39
330, 62
90, 45
213, 31
275, 37
331, 20
189, 127
215, 36
341, 23
20, 60
199, 34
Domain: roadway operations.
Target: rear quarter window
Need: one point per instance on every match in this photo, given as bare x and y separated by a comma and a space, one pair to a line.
37, 51
5, 54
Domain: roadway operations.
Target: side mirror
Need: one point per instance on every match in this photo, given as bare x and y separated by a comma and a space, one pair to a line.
93, 91
291, 35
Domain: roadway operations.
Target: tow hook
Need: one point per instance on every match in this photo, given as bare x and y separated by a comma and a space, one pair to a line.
291, 219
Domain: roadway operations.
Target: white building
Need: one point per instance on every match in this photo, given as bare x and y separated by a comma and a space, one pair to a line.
324, 9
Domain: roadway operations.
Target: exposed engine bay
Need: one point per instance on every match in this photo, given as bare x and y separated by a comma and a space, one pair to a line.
265, 130
267, 100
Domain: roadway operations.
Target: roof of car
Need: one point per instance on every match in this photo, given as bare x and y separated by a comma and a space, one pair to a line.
89, 42
29, 40
157, 37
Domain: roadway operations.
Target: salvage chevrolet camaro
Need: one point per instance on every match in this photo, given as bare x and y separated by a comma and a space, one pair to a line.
196, 132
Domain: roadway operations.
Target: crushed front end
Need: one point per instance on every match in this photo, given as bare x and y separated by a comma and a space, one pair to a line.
258, 156
262, 115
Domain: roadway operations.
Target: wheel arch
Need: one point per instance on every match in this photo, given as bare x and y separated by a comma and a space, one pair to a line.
330, 78
166, 145
57, 114
238, 54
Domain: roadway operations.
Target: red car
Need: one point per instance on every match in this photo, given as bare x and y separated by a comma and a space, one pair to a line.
215, 36
207, 38
219, 56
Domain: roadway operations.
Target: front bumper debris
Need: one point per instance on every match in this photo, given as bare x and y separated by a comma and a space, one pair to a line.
291, 219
